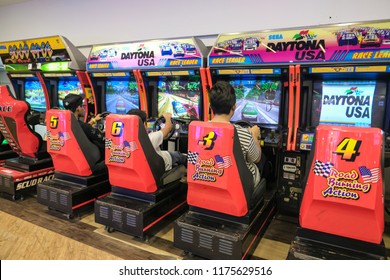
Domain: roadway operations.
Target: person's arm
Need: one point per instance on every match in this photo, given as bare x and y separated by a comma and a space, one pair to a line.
168, 124
95, 119
255, 131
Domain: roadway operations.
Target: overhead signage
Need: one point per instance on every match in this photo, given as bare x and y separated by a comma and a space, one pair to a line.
368, 41
145, 55
31, 54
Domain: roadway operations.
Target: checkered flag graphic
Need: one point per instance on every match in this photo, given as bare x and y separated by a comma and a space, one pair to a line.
192, 157
322, 168
108, 143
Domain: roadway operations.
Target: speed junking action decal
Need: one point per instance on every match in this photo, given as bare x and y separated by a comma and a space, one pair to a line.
346, 184
119, 153
57, 141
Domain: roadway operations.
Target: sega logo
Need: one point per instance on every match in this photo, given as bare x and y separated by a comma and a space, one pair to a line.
275, 37
3, 47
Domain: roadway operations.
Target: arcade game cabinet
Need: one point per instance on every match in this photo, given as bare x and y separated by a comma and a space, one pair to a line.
210, 229
33, 164
335, 59
23, 62
80, 173
345, 83
154, 76
63, 73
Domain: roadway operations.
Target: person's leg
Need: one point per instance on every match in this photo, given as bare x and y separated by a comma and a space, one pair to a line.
178, 158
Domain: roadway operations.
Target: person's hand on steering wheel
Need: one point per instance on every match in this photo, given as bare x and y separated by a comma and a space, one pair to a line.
99, 121
166, 130
255, 131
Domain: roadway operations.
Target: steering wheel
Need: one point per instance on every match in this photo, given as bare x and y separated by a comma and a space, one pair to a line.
160, 123
243, 123
101, 124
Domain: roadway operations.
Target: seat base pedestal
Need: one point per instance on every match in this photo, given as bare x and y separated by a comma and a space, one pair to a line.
219, 238
310, 245
139, 217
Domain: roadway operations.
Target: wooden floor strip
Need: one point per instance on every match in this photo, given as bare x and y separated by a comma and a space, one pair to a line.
28, 231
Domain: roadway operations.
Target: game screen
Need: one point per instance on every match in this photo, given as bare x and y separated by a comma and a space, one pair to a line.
257, 101
66, 86
179, 97
349, 103
33, 93
121, 96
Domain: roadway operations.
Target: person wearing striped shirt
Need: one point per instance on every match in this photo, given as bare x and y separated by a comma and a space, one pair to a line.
223, 103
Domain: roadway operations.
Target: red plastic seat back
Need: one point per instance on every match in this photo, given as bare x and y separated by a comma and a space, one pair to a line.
13, 125
344, 191
71, 150
131, 159
217, 175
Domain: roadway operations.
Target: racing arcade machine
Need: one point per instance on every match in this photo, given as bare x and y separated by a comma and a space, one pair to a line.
72, 188
24, 61
33, 164
209, 229
80, 175
348, 86
129, 75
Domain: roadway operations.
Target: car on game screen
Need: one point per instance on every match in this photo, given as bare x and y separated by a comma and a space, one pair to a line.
347, 38
179, 109
120, 106
249, 112
370, 40
191, 111
166, 49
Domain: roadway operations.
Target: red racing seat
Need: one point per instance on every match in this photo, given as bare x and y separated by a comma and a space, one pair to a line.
131, 160
217, 175
344, 189
14, 126
71, 150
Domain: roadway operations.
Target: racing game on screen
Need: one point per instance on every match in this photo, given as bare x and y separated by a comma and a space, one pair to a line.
34, 95
67, 86
181, 98
121, 96
257, 101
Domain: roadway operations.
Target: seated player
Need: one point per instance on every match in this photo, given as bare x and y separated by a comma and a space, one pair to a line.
171, 158
223, 103
75, 103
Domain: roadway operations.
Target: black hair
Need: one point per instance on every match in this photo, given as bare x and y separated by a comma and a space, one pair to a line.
138, 113
222, 97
